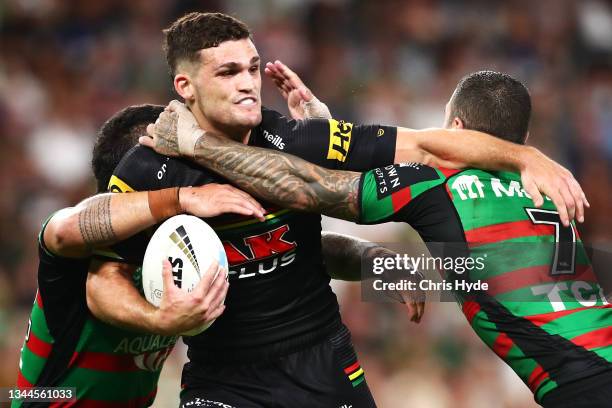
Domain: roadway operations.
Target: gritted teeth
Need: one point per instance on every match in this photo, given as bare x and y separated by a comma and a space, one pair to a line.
247, 101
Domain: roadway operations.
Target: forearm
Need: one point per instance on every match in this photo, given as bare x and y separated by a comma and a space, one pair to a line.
458, 148
103, 220
113, 298
343, 255
281, 178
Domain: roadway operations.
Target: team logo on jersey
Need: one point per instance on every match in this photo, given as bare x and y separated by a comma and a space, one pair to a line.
153, 361
468, 186
339, 139
261, 253
276, 140
116, 185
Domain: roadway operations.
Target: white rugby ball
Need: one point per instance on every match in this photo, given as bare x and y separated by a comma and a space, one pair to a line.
190, 245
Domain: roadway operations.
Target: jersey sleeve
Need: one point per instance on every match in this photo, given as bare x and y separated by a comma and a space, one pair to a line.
330, 143
142, 169
385, 191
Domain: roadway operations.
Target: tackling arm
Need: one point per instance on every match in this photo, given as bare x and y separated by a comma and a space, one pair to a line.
113, 298
106, 219
281, 178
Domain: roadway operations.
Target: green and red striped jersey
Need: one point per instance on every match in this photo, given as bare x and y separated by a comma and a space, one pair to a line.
65, 346
544, 312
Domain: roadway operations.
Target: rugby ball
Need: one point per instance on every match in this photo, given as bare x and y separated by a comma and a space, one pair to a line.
190, 245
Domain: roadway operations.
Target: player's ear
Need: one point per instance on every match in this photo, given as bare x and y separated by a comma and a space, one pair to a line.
184, 87
457, 123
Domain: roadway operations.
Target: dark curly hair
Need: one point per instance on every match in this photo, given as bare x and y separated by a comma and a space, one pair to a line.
118, 135
196, 31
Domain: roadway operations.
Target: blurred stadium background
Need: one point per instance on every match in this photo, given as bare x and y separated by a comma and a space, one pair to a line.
67, 65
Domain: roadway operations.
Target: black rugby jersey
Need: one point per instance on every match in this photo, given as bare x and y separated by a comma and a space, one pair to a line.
279, 299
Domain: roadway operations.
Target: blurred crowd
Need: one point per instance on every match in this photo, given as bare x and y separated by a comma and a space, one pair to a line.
67, 65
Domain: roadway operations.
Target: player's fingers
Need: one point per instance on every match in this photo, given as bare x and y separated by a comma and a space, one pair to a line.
532, 189
146, 141
283, 86
305, 94
218, 289
570, 204
579, 197
175, 106
256, 210
239, 194
202, 287
421, 311
289, 74
411, 308
167, 281
235, 199
274, 74
280, 88
216, 313
559, 203
151, 129
242, 209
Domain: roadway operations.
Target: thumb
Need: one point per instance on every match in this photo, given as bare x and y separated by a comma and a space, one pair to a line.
151, 129
306, 94
146, 141
174, 105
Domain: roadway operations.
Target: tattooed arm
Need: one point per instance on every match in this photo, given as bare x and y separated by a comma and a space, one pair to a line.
108, 218
281, 178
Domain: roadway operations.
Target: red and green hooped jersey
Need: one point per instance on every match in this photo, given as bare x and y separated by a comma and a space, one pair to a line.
65, 346
544, 313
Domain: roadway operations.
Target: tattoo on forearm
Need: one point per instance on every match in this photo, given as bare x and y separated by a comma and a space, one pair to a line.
95, 222
282, 178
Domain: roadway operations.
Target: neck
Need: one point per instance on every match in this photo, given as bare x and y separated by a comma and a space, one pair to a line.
236, 133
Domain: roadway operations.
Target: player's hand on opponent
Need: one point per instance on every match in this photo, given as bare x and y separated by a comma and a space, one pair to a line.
300, 100
181, 311
413, 299
541, 174
213, 199
174, 133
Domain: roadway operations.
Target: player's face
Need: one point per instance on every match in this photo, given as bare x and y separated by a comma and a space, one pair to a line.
227, 86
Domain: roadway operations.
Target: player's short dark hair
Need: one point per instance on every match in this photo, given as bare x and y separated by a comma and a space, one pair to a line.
493, 103
195, 31
118, 135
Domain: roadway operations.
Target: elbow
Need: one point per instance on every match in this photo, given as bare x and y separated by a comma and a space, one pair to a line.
57, 236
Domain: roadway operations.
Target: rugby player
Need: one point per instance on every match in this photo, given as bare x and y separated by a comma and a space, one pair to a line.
64, 344
112, 366
544, 312
269, 317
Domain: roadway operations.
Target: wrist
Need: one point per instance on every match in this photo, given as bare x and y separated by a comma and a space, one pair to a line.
185, 197
187, 142
164, 203
521, 157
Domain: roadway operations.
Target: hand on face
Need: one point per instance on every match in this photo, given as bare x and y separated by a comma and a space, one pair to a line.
301, 102
174, 133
